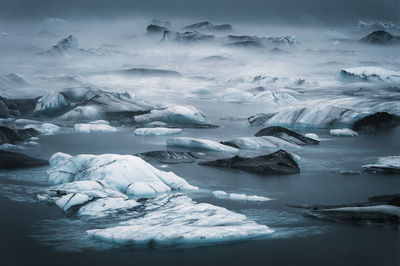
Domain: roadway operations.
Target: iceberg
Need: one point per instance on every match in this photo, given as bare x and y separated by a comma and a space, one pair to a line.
125, 173
203, 144
180, 220
346, 132
235, 196
157, 131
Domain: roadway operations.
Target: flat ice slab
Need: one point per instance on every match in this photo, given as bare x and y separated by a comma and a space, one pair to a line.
180, 220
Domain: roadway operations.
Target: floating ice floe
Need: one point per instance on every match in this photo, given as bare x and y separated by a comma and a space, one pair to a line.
176, 114
259, 143
235, 196
45, 128
157, 131
88, 128
204, 144
180, 220
389, 164
376, 74
125, 173
346, 132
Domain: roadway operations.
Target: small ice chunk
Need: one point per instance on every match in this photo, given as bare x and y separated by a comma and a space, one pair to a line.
236, 196
346, 132
157, 131
31, 143
88, 128
312, 136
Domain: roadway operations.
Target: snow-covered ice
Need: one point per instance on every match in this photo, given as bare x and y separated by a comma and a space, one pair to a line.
125, 173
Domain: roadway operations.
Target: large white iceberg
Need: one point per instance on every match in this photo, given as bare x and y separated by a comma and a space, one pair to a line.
175, 114
157, 131
125, 173
203, 144
182, 221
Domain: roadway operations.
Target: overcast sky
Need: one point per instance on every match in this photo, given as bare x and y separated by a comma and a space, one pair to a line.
290, 11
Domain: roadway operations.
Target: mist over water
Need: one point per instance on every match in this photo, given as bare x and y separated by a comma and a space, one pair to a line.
101, 81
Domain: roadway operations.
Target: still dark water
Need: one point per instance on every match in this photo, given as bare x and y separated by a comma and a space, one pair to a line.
34, 233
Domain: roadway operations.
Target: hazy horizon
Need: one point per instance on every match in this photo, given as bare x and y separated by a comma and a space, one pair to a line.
284, 11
